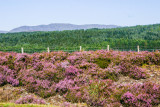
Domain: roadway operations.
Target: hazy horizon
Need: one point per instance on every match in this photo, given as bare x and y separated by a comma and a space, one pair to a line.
16, 13
70, 23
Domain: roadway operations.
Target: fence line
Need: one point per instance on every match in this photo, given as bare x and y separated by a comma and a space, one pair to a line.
108, 48
48, 50
22, 50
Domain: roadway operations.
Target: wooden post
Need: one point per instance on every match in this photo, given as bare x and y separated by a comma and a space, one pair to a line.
48, 50
80, 48
107, 47
138, 48
22, 50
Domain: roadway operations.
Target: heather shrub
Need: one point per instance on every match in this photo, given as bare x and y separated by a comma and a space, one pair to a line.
78, 92
142, 100
3, 60
110, 75
30, 99
10, 62
64, 64
119, 91
151, 89
2, 79
138, 73
144, 58
98, 91
94, 71
50, 72
12, 81
60, 55
128, 99
111, 72
86, 65
37, 82
8, 76
155, 58
78, 57
140, 58
52, 56
73, 59
71, 72
64, 85
142, 95
133, 71
95, 93
38, 66
75, 95
23, 61
102, 62
22, 58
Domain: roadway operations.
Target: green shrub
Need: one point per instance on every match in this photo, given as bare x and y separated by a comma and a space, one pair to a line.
111, 75
102, 62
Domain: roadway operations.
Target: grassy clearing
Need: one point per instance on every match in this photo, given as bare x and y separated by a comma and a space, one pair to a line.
24, 105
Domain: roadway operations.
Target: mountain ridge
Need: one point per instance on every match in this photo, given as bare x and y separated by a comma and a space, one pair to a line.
1, 31
60, 27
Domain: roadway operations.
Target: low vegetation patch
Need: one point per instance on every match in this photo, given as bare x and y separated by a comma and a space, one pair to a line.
87, 78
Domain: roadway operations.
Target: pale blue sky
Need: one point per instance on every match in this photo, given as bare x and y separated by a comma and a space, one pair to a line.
15, 13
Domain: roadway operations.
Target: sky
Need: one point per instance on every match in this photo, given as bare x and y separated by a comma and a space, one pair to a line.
15, 13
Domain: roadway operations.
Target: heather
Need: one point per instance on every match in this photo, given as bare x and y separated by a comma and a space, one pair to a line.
91, 77
30, 99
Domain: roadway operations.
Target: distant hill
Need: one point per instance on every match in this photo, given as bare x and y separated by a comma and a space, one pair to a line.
60, 27
3, 31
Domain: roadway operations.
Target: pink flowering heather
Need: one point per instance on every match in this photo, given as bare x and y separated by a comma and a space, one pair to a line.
64, 85
133, 71
90, 77
128, 99
146, 95
8, 76
2, 79
66, 104
71, 72
30, 99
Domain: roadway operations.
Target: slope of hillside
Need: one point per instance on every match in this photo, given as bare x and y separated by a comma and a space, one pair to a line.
3, 31
147, 37
59, 27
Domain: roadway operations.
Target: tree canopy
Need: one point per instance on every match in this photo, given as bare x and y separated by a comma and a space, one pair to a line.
147, 37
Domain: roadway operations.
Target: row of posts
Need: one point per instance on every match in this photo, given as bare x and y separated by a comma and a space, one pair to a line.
80, 49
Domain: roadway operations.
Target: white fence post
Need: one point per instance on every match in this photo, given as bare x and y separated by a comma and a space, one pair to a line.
138, 48
48, 50
107, 47
22, 50
80, 48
